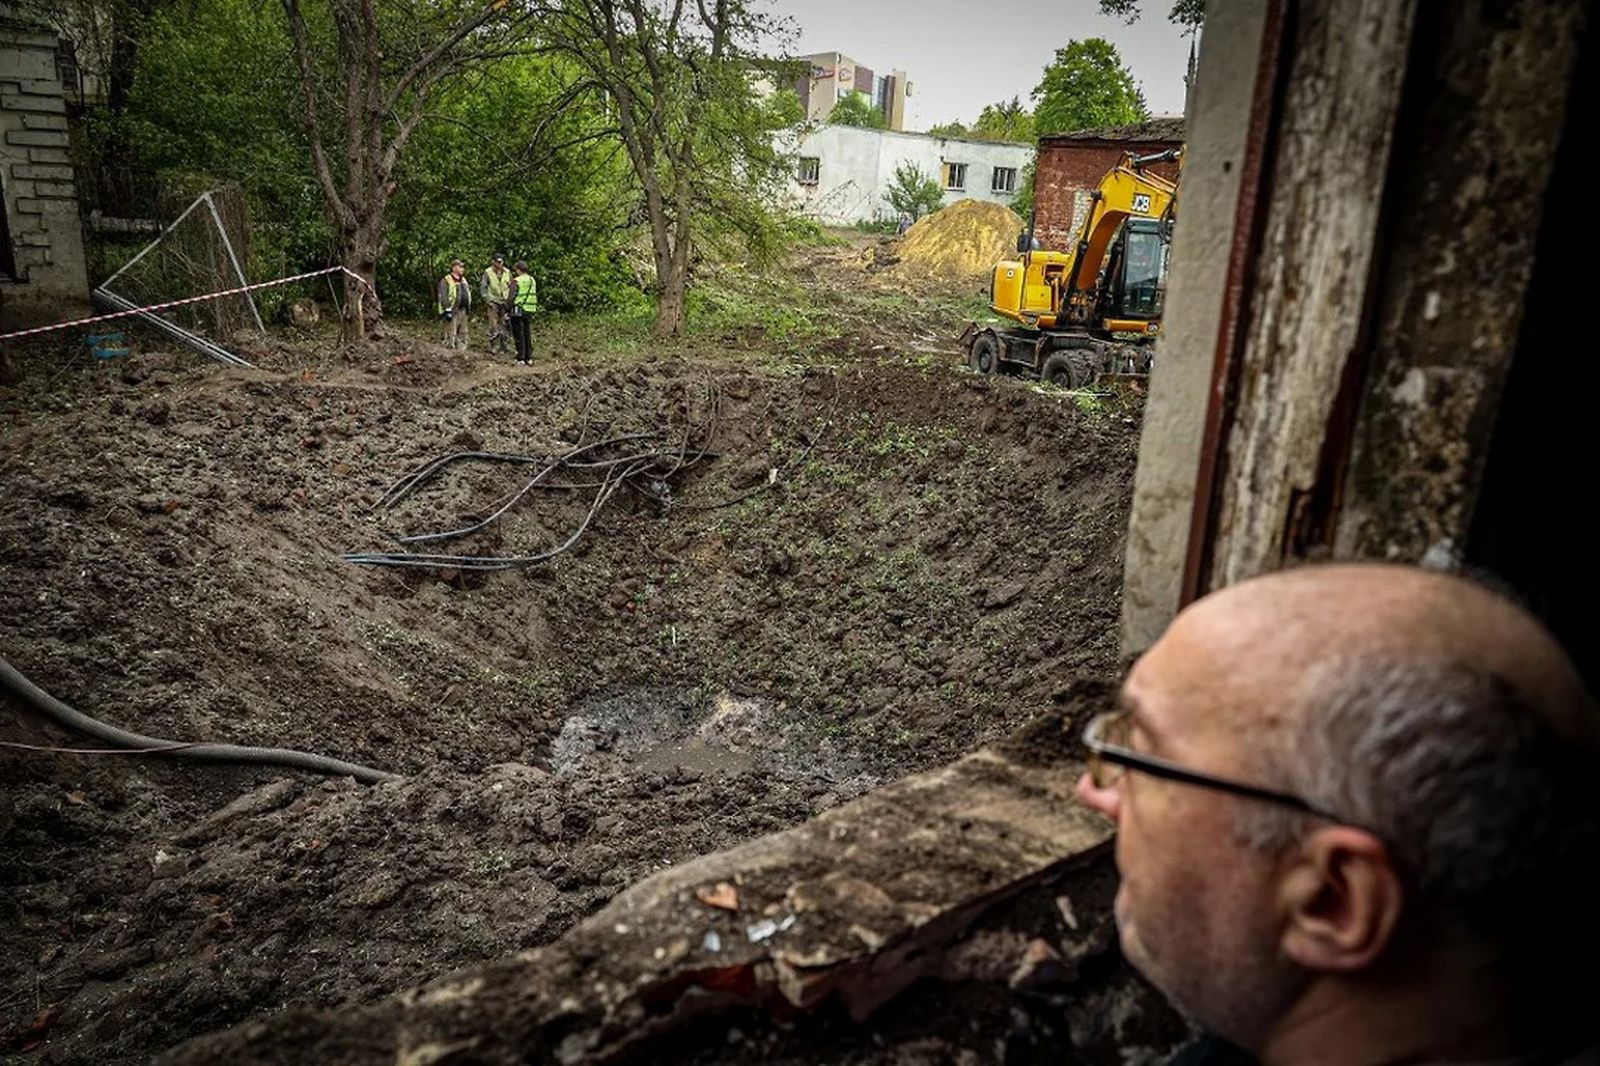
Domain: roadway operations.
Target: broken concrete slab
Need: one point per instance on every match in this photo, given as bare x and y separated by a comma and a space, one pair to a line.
848, 909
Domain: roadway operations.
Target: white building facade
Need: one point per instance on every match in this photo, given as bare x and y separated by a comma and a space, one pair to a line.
843, 172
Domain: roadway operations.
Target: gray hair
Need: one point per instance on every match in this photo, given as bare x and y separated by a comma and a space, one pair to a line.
1487, 813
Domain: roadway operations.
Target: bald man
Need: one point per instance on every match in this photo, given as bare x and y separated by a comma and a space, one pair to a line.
1358, 811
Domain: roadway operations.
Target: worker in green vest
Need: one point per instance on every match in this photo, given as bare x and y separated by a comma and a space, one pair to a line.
524, 302
495, 288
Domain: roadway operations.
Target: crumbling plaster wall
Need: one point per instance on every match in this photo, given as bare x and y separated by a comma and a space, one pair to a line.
1474, 159
1359, 342
1206, 251
41, 205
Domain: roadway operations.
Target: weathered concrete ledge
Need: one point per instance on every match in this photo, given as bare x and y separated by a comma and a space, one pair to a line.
849, 909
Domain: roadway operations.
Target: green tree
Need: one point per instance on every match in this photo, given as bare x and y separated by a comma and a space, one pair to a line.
678, 82
913, 192
1190, 14
856, 110
1005, 121
212, 99
948, 129
1087, 87
368, 70
539, 181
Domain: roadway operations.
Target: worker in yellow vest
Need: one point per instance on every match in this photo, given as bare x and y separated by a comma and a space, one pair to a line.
524, 302
454, 298
495, 288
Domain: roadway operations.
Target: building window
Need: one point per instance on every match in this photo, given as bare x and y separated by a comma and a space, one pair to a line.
810, 169
955, 176
67, 67
1005, 180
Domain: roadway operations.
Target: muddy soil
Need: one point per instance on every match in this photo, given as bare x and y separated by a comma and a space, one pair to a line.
887, 562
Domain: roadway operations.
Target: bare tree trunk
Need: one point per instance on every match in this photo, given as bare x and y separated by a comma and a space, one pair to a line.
673, 275
672, 283
363, 314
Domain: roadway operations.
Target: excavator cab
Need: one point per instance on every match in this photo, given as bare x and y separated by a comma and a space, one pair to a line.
1135, 281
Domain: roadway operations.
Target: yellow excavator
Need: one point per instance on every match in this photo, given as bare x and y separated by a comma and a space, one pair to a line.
1095, 310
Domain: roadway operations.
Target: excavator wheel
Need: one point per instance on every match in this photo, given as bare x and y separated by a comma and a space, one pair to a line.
984, 355
1070, 369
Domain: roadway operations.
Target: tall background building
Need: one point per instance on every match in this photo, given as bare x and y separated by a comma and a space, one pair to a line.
833, 76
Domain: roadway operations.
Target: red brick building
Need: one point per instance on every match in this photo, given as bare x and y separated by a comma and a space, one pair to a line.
1072, 164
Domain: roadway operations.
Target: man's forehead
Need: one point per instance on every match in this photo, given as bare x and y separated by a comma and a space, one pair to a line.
1209, 670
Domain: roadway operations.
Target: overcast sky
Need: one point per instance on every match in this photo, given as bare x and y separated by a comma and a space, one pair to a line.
962, 54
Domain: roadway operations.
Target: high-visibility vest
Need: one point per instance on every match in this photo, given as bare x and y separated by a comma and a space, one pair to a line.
497, 286
457, 296
527, 299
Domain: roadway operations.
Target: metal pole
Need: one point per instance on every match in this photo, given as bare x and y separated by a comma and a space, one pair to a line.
149, 247
193, 341
237, 269
333, 290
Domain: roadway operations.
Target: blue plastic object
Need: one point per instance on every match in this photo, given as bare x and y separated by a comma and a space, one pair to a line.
106, 345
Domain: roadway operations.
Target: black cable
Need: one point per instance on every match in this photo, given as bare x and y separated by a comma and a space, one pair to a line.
30, 695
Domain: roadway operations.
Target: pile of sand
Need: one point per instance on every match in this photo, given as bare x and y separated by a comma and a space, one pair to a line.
967, 238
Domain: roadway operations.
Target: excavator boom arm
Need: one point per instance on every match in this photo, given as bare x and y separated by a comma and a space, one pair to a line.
1126, 191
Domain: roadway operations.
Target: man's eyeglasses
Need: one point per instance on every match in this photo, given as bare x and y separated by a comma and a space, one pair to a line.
1110, 758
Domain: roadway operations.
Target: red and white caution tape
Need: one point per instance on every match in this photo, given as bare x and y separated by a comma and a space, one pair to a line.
187, 300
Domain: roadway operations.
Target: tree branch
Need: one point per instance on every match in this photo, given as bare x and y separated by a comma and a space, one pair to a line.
311, 121
438, 53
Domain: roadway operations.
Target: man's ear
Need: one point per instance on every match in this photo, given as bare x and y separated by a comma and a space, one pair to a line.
1341, 898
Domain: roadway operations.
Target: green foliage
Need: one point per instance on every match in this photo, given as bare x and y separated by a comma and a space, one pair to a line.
1005, 121
718, 308
948, 129
678, 84
808, 232
520, 155
1022, 204
212, 99
1087, 87
740, 171
482, 176
912, 192
1190, 14
856, 110
496, 166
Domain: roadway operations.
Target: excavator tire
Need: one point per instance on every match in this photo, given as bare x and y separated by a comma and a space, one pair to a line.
1069, 369
984, 355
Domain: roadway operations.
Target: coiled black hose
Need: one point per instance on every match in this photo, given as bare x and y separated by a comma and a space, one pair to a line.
31, 695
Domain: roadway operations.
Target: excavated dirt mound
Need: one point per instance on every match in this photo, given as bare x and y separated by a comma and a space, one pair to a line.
963, 240
935, 556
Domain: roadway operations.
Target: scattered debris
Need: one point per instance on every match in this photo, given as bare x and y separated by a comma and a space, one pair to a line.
722, 895
766, 929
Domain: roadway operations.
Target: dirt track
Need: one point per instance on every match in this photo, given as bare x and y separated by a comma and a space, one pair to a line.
938, 554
